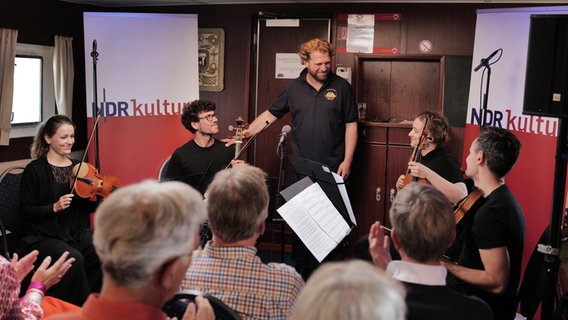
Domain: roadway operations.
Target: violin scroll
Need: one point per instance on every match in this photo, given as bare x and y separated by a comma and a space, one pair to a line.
240, 134
88, 182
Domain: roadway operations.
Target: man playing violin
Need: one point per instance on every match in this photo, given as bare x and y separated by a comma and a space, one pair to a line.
489, 264
56, 219
432, 163
197, 161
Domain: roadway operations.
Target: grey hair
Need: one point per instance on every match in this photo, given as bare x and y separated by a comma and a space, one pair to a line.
354, 290
237, 202
141, 227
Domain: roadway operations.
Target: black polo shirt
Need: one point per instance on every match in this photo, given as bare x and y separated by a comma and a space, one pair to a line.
318, 117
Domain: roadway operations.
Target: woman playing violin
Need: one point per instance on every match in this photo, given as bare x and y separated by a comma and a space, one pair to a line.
433, 164
57, 220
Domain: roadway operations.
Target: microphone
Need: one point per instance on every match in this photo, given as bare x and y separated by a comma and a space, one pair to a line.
486, 60
94, 53
285, 131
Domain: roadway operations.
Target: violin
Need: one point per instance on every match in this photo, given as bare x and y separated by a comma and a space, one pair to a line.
88, 182
408, 177
467, 203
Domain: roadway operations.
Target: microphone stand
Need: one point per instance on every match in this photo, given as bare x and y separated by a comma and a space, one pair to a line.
281, 184
485, 94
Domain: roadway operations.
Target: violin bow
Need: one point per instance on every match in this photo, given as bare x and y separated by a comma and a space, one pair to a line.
95, 56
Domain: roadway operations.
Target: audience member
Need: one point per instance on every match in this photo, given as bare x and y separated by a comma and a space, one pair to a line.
423, 226
58, 221
489, 265
144, 235
353, 290
12, 273
228, 267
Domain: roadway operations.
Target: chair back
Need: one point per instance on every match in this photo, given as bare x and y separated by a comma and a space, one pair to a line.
177, 305
11, 227
163, 169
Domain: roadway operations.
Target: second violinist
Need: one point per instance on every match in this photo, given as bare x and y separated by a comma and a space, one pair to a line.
432, 163
57, 220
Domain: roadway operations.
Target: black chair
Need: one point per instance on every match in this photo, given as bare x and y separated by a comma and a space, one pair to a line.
163, 169
177, 305
11, 227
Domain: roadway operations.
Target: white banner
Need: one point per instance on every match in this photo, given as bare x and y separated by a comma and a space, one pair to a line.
531, 180
146, 70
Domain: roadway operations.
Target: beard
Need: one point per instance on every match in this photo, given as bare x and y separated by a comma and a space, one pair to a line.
319, 77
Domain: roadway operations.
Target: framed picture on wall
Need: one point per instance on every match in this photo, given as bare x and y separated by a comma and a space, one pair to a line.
211, 54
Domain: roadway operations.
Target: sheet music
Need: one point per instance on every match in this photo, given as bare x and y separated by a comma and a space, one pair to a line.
344, 196
315, 220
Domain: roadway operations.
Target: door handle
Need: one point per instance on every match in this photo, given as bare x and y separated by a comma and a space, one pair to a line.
392, 195
378, 194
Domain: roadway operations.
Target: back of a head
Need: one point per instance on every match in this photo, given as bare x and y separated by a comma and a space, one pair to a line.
354, 290
140, 227
423, 221
500, 147
237, 202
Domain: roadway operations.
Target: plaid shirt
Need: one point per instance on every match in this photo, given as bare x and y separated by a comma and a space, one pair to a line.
238, 277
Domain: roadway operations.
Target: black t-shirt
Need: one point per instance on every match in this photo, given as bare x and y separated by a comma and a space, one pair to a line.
197, 166
444, 164
498, 222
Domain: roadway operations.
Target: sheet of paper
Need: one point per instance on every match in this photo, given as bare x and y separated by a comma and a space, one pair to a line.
315, 220
344, 196
360, 33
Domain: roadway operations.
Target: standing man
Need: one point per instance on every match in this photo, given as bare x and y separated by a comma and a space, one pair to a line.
489, 265
324, 122
228, 267
423, 227
197, 161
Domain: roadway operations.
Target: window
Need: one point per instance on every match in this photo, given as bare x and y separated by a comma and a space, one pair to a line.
23, 123
26, 104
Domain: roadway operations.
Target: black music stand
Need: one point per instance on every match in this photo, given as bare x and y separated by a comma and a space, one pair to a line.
321, 174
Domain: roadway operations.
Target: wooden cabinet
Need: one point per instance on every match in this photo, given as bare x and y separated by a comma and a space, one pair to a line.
397, 88
382, 155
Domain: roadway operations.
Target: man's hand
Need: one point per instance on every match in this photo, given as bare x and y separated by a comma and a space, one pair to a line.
344, 170
200, 310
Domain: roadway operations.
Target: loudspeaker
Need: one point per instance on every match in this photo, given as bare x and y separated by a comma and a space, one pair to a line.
546, 82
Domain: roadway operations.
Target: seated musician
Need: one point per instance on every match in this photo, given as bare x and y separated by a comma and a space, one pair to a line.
57, 220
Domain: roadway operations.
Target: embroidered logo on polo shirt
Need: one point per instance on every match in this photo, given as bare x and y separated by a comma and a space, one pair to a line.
330, 94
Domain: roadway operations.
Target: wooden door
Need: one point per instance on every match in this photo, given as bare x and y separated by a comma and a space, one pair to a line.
272, 40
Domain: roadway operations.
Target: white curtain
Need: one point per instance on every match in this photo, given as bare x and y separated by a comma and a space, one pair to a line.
8, 40
63, 74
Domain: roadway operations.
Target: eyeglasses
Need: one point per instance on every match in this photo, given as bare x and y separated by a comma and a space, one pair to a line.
210, 116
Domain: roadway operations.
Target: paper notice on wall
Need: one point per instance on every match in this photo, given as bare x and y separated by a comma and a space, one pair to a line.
360, 33
288, 66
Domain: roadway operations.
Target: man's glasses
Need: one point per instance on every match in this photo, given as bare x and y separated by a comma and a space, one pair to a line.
210, 116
